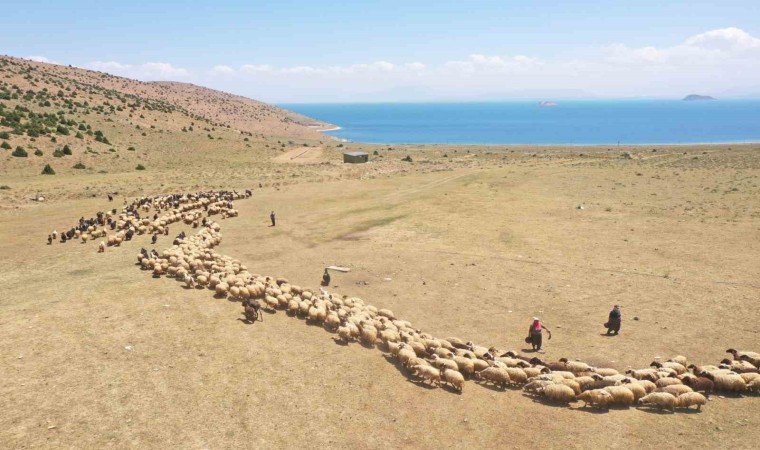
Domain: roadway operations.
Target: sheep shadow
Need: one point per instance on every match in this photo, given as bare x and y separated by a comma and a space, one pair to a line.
591, 410
545, 401
608, 335
450, 389
530, 350
245, 321
341, 342
491, 386
655, 410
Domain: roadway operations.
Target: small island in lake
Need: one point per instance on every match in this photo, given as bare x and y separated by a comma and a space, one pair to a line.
695, 97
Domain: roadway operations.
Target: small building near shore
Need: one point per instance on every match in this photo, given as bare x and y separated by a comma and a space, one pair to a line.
355, 157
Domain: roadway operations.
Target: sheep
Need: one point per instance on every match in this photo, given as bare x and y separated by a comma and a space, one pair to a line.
754, 386
727, 383
444, 362
516, 376
751, 357
621, 395
558, 393
643, 374
404, 355
662, 382
597, 398
676, 389
576, 366
700, 384
368, 335
101, 247
428, 373
679, 359
466, 365
661, 400
748, 377
691, 399
535, 386
453, 378
637, 389
738, 366
678, 368
606, 372
495, 375
221, 289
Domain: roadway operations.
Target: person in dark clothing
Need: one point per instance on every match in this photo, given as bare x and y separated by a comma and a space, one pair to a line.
535, 336
110, 198
613, 322
272, 218
154, 239
50, 239
326, 278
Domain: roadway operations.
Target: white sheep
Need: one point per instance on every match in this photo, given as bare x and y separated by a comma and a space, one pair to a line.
453, 378
558, 393
691, 399
661, 400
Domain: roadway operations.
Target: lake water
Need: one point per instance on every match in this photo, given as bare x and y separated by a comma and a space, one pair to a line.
523, 122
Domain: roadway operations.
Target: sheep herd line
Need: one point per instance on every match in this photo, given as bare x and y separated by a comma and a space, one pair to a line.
450, 362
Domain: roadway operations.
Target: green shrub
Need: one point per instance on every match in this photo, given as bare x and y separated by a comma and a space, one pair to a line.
58, 153
38, 152
340, 145
407, 159
79, 166
4, 187
20, 152
140, 167
66, 150
79, 135
48, 170
5, 135
5, 145
130, 148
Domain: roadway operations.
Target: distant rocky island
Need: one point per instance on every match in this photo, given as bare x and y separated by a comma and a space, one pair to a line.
695, 97
546, 104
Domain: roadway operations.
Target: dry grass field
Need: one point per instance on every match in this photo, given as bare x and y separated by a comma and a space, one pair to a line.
464, 241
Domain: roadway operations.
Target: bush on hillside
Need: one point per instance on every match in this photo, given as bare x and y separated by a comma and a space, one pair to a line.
140, 167
20, 152
79, 165
5, 145
38, 152
48, 170
66, 150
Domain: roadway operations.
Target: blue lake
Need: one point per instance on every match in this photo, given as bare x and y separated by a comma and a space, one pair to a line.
523, 122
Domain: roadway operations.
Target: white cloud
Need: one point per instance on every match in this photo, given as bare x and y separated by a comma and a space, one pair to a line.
147, 72
715, 46
42, 59
484, 63
222, 70
256, 68
725, 39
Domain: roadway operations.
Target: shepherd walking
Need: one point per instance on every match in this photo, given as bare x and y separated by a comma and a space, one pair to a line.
272, 218
535, 334
613, 323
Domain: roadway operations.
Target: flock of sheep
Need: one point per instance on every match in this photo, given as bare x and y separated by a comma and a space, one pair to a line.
450, 362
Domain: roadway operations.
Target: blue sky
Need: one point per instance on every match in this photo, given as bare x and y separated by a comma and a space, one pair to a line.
290, 50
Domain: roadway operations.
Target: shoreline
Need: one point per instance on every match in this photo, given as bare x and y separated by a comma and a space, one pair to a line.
621, 145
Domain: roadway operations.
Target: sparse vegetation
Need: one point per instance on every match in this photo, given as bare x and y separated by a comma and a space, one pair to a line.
140, 167
48, 170
20, 152
79, 165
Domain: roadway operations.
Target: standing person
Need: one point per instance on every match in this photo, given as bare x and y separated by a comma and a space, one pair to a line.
272, 218
613, 322
535, 336
326, 278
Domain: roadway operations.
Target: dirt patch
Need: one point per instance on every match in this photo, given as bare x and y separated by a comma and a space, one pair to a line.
301, 155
